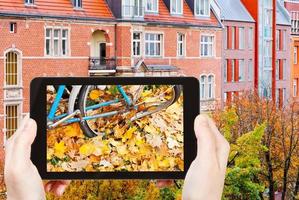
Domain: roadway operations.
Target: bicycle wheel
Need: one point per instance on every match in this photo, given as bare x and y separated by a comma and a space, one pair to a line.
90, 128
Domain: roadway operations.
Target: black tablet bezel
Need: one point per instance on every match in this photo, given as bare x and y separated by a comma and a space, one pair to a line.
38, 112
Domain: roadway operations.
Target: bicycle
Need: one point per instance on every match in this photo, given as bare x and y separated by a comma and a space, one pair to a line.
81, 108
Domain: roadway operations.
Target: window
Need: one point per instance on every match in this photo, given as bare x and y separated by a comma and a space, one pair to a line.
153, 44
250, 70
233, 71
132, 8
241, 70
11, 119
12, 74
181, 45
207, 46
284, 69
241, 38
233, 34
277, 40
136, 44
210, 87
202, 7
295, 88
203, 80
57, 42
77, 3
295, 55
225, 71
250, 38
176, 6
151, 6
284, 40
29, 2
226, 38
207, 87
277, 69
13, 27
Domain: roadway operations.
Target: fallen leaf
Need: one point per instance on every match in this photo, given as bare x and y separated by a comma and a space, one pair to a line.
59, 149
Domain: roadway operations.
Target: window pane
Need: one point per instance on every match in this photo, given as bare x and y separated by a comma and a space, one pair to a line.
11, 69
11, 120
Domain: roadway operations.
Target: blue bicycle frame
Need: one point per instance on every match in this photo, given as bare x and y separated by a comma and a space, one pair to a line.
60, 91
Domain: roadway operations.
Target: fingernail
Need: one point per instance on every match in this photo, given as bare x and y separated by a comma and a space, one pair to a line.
60, 191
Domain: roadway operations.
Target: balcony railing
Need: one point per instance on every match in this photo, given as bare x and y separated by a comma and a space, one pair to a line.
107, 64
129, 11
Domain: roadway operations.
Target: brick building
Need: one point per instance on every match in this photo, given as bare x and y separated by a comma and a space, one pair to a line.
293, 7
238, 45
100, 37
272, 50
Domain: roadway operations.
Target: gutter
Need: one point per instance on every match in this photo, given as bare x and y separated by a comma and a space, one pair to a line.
112, 20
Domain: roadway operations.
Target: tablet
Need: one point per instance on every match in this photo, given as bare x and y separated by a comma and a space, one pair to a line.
114, 127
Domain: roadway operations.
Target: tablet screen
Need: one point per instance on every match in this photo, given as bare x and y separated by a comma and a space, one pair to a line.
109, 128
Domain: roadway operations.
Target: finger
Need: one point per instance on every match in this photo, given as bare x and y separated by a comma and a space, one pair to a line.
206, 149
21, 128
58, 187
48, 186
222, 146
22, 143
164, 183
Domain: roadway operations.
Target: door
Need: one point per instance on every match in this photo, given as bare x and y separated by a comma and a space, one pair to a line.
102, 51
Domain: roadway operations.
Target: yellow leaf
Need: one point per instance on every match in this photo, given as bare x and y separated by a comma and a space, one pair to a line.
95, 94
87, 149
128, 135
150, 129
59, 149
164, 163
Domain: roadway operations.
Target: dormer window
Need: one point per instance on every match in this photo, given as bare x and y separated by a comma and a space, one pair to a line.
132, 8
176, 7
29, 2
202, 8
151, 6
77, 3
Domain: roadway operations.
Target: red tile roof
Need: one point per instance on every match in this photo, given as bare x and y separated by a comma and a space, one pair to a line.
91, 8
187, 17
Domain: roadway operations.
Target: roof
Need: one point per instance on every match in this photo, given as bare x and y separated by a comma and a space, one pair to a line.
282, 15
234, 10
91, 8
187, 18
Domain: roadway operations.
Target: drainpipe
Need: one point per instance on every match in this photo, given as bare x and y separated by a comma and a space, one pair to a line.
115, 42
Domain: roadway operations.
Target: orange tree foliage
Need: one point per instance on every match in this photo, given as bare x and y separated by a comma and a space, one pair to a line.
277, 166
118, 189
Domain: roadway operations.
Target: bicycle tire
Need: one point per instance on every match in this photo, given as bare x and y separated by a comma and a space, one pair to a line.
88, 132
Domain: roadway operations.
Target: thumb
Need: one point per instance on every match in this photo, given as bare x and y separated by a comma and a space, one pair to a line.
206, 146
24, 138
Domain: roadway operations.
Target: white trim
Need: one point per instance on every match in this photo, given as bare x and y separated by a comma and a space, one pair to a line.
152, 11
61, 28
183, 45
213, 89
20, 111
213, 43
19, 65
141, 44
177, 13
198, 14
162, 44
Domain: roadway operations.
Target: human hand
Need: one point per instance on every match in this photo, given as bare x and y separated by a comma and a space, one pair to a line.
21, 176
205, 177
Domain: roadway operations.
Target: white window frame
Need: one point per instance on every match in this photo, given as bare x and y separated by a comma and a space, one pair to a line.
59, 38
137, 41
295, 55
177, 10
241, 72
29, 2
197, 4
12, 27
155, 41
78, 4
295, 88
241, 38
250, 70
206, 86
250, 38
131, 8
154, 3
20, 111
181, 44
207, 43
225, 71
233, 32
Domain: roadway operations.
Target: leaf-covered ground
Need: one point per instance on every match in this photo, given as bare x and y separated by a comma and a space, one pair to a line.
151, 143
